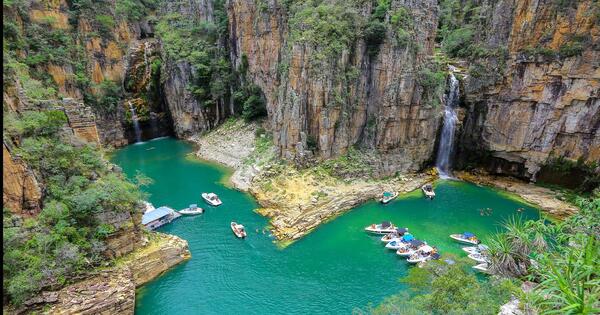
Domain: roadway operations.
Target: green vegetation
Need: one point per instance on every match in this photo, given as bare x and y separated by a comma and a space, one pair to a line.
563, 257
189, 39
563, 167
67, 238
434, 83
330, 27
354, 164
443, 288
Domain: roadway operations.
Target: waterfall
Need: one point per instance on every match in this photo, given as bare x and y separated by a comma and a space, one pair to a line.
443, 162
136, 124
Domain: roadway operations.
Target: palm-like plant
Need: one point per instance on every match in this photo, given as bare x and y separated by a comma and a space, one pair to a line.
571, 285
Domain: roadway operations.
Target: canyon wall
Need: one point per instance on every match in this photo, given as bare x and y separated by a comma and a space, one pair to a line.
373, 101
544, 102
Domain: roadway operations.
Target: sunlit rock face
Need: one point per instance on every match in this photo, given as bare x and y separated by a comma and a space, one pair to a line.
541, 106
373, 101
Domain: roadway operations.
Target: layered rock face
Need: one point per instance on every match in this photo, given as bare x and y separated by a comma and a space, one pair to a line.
112, 291
543, 106
353, 99
189, 115
21, 192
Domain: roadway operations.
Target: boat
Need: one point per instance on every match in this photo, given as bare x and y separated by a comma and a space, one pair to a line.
475, 249
478, 257
388, 196
413, 247
384, 228
394, 235
148, 207
238, 230
212, 199
424, 253
428, 191
466, 237
158, 217
396, 244
483, 267
192, 210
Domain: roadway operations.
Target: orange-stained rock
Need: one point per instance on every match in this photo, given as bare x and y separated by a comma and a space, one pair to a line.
21, 193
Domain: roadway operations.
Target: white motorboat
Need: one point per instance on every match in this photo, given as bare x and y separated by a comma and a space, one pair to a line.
385, 227
418, 257
388, 196
428, 191
466, 237
192, 210
238, 230
212, 199
396, 244
394, 235
411, 248
405, 251
479, 258
483, 267
475, 249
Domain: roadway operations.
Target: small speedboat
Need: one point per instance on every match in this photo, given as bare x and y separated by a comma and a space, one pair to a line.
396, 244
388, 196
479, 258
413, 247
385, 227
192, 210
394, 235
466, 237
475, 249
428, 191
483, 267
424, 253
212, 199
238, 230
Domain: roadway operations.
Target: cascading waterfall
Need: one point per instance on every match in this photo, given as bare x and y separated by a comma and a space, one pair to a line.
136, 124
443, 162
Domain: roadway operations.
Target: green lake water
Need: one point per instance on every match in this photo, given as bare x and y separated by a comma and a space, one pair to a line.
334, 269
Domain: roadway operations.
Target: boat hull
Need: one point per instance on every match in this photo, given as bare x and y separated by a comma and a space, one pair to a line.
395, 246
478, 258
211, 202
482, 268
191, 212
379, 231
457, 238
238, 233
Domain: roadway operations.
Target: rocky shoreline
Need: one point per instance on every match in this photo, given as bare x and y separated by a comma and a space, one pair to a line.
544, 198
112, 290
297, 201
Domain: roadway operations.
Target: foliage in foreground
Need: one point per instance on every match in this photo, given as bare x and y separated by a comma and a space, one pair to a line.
66, 239
443, 288
563, 257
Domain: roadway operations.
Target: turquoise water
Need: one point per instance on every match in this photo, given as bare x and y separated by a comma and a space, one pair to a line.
334, 269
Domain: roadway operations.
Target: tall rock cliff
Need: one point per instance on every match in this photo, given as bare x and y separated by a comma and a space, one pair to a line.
331, 87
540, 101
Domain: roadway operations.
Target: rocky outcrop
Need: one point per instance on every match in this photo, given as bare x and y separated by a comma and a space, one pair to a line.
112, 291
299, 201
379, 107
163, 252
21, 193
541, 106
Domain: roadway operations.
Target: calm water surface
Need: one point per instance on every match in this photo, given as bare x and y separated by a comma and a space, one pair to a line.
332, 270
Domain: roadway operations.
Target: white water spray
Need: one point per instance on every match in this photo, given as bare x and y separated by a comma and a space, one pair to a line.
136, 123
443, 162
